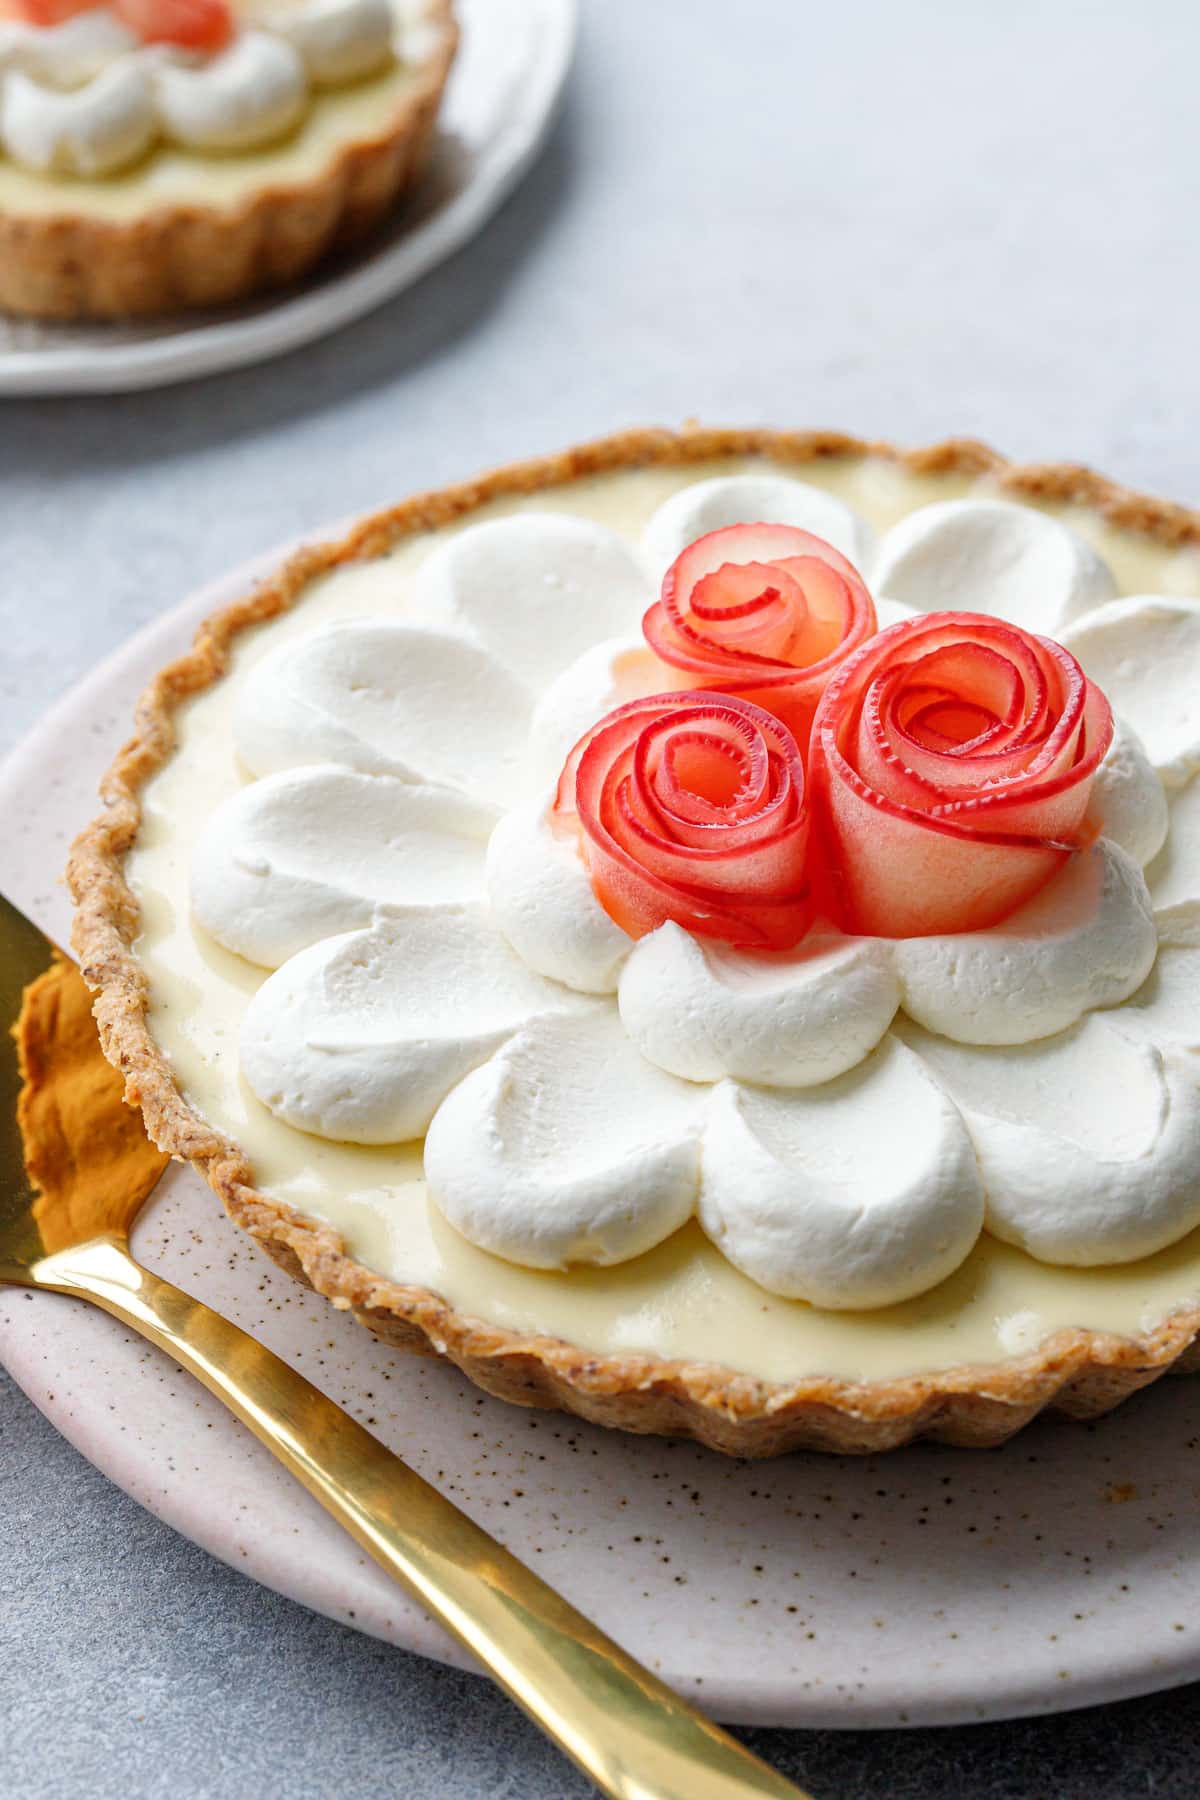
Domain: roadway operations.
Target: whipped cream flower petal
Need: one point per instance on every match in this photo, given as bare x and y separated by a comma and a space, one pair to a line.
1088, 1142
567, 1147
536, 590
990, 556
92, 130
1128, 802
68, 54
860, 1193
705, 1011
1174, 875
747, 500
339, 40
362, 1036
1144, 651
1166, 1008
249, 94
542, 899
607, 676
1087, 940
309, 853
388, 699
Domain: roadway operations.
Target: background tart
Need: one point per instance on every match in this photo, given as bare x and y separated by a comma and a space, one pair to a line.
184, 229
865, 1381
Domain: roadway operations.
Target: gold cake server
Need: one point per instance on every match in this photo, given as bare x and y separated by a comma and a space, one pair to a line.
75, 1170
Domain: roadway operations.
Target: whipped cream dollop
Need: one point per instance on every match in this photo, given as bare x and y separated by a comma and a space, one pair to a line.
542, 899
1128, 802
535, 591
749, 500
88, 98
1086, 940
991, 556
608, 675
387, 698
361, 1037
595, 1166
340, 40
1174, 874
265, 884
704, 1010
1088, 1141
250, 94
1146, 649
90, 130
860, 1193
842, 1118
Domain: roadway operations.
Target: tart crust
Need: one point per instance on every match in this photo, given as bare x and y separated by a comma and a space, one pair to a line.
1078, 1372
68, 265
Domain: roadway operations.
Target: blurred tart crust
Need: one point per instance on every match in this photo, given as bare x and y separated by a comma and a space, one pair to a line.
73, 264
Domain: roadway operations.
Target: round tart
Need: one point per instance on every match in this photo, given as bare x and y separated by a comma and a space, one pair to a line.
158, 155
703, 931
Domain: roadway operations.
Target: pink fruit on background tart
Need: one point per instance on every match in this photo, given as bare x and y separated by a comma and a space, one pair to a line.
703, 931
165, 154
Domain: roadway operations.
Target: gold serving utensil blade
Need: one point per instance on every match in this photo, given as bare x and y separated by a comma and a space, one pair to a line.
75, 1171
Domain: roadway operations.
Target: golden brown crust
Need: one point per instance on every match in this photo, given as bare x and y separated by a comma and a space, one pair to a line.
1081, 1373
179, 258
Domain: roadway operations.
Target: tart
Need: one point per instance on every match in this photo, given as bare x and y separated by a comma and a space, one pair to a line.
159, 155
763, 869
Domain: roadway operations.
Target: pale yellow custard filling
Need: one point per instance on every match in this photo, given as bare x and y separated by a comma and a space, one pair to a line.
683, 1299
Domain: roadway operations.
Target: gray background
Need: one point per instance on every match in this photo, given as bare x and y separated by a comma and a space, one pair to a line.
905, 220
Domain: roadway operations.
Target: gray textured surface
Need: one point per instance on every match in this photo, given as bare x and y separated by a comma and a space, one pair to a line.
905, 221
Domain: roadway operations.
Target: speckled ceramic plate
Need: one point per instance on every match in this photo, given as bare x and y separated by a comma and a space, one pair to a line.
929, 1586
499, 105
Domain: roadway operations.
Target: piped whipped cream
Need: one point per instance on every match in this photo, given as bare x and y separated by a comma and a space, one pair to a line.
990, 556
340, 40
361, 1037
543, 901
1146, 649
750, 500
835, 1152
90, 130
535, 591
857, 1194
1088, 1142
252, 93
265, 884
705, 1011
1128, 802
595, 1165
1087, 940
87, 98
608, 675
1174, 874
388, 699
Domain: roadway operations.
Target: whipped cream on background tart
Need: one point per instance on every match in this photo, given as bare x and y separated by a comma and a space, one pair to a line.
164, 153
839, 1104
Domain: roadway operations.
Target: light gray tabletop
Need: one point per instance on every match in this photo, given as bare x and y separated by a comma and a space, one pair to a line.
907, 221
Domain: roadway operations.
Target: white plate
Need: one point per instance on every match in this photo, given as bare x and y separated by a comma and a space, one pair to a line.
930, 1586
500, 103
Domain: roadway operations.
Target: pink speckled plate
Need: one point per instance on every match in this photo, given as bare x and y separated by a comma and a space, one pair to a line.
931, 1586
